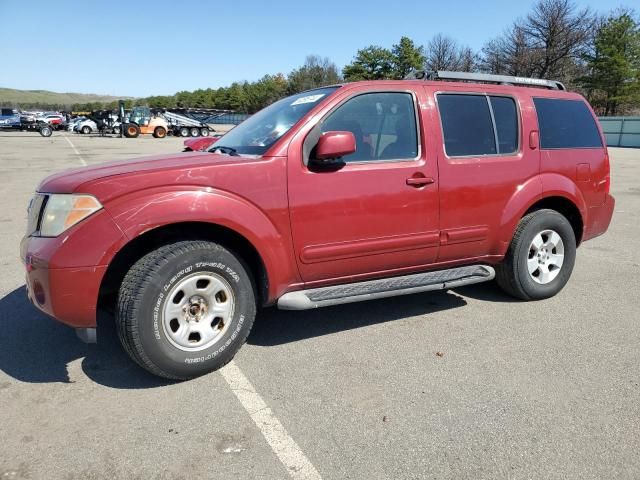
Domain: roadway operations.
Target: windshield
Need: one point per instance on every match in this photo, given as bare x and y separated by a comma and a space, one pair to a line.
255, 135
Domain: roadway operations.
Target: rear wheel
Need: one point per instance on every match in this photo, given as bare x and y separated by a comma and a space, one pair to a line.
195, 132
86, 130
540, 258
184, 131
46, 131
204, 132
160, 132
185, 309
131, 130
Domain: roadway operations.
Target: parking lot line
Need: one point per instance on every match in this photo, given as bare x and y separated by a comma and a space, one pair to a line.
82, 161
285, 447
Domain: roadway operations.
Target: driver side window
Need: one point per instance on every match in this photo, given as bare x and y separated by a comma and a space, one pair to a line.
383, 124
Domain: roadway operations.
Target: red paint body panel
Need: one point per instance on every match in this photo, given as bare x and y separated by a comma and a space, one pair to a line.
200, 144
311, 228
66, 271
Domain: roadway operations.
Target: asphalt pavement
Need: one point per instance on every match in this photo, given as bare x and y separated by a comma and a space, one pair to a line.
463, 384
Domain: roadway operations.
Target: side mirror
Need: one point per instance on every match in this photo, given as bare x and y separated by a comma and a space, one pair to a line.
332, 145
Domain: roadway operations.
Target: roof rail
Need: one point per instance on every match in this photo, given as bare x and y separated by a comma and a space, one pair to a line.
485, 78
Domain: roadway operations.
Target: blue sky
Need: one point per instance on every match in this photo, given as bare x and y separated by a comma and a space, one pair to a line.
140, 48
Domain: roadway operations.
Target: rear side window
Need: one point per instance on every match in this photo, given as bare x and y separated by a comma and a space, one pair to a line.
476, 125
566, 124
467, 125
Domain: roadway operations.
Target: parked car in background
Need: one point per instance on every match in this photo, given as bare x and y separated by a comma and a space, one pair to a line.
85, 126
201, 144
73, 122
334, 195
54, 120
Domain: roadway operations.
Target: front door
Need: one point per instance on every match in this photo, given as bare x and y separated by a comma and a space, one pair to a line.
377, 211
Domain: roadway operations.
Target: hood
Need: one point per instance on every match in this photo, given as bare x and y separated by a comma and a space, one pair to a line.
200, 143
68, 181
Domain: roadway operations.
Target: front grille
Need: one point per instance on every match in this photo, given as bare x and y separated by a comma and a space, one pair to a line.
34, 213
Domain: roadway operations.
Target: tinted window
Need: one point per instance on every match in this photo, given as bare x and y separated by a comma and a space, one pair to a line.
384, 125
467, 125
566, 124
506, 117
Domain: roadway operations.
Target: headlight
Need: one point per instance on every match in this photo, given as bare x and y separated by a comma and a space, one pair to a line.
64, 211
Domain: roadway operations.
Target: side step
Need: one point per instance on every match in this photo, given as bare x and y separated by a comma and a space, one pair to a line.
385, 287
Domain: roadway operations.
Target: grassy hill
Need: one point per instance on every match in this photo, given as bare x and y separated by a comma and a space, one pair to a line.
13, 97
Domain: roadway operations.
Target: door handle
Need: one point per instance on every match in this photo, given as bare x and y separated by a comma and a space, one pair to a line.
419, 181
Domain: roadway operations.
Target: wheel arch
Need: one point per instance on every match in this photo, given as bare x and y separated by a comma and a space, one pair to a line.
152, 239
548, 190
566, 208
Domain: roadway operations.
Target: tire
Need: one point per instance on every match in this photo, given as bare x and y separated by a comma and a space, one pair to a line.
86, 130
162, 284
195, 132
160, 132
131, 130
204, 132
46, 131
537, 265
184, 131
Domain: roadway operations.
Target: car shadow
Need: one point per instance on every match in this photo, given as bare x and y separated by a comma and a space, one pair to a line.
276, 327
35, 348
487, 292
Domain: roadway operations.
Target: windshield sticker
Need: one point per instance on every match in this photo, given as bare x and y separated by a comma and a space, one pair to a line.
308, 99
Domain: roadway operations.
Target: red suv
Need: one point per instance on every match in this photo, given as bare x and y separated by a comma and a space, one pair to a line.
334, 195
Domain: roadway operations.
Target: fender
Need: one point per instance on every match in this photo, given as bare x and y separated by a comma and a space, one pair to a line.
532, 191
144, 210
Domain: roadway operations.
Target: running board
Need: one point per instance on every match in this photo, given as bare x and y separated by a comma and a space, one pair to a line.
385, 287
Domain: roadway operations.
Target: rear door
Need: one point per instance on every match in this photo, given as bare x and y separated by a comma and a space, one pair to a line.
483, 162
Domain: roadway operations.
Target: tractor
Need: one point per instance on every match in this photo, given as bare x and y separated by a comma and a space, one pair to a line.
143, 121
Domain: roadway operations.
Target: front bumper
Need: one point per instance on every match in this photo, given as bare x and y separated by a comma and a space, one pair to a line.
64, 274
70, 295
599, 218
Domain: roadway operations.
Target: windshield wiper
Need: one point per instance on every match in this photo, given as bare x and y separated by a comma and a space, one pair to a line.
228, 150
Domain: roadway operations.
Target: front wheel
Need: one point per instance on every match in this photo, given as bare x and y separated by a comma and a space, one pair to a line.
185, 309
540, 258
131, 130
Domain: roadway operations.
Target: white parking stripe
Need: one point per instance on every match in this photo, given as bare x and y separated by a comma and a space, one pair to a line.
75, 150
287, 450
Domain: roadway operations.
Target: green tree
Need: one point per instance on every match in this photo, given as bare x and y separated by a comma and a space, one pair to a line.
371, 63
407, 57
316, 72
614, 64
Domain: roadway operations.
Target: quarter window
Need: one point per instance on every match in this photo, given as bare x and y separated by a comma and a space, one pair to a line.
506, 117
476, 125
384, 125
566, 124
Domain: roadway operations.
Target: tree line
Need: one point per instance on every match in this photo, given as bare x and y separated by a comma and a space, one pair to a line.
596, 55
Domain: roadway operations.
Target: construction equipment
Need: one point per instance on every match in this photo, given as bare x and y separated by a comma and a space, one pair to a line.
143, 121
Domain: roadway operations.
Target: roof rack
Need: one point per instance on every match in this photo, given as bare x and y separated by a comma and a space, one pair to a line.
485, 78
